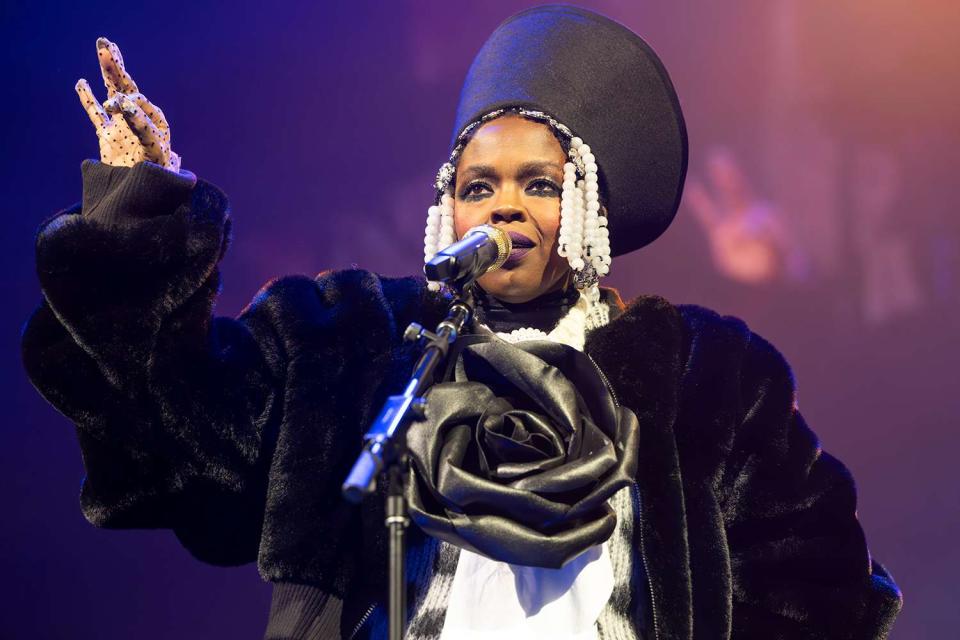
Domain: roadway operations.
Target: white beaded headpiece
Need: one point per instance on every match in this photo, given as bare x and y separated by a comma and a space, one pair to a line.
584, 236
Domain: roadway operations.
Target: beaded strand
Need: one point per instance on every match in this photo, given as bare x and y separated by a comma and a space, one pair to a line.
439, 233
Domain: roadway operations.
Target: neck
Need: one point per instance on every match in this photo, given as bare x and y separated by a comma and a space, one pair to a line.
543, 312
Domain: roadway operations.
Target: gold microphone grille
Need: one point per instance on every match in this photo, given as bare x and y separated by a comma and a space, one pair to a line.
502, 240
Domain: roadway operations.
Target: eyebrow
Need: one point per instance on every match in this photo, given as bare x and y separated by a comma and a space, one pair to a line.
526, 170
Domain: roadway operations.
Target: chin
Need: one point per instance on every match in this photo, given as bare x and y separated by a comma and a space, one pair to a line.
510, 286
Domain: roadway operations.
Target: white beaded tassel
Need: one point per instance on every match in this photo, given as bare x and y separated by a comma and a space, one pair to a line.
431, 236
570, 247
447, 233
439, 233
584, 238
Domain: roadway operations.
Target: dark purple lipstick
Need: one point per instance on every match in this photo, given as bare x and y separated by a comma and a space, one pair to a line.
521, 245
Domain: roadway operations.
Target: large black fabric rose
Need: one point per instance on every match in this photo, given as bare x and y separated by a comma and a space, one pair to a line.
519, 452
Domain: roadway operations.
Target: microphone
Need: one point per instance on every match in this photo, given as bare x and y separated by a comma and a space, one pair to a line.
482, 249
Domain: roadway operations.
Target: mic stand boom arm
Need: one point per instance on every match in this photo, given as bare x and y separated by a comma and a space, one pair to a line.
385, 444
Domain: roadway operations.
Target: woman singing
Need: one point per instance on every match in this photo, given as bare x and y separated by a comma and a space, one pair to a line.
585, 468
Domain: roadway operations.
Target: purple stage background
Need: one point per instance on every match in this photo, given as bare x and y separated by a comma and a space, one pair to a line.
821, 208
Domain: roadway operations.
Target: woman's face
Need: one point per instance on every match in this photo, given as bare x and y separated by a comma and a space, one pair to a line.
510, 176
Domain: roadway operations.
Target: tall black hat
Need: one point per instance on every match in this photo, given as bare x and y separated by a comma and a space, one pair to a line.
609, 87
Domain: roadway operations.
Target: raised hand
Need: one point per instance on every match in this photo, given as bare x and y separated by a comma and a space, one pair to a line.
747, 240
130, 128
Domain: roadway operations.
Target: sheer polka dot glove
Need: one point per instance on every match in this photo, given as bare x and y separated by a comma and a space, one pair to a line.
130, 128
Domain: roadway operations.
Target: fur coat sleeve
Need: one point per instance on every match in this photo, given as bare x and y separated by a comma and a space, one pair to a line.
174, 410
748, 528
797, 556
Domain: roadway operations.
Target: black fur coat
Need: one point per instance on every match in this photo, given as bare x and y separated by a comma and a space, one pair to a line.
237, 433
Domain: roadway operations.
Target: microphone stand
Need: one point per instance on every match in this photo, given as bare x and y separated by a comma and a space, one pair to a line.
385, 442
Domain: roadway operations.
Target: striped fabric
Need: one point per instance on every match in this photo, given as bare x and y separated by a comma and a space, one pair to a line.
430, 605
616, 621
303, 612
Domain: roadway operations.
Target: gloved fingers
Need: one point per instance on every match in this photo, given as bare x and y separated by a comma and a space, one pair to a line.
153, 112
115, 75
90, 104
155, 147
119, 146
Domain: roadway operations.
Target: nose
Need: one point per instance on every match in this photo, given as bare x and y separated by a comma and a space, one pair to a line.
507, 213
